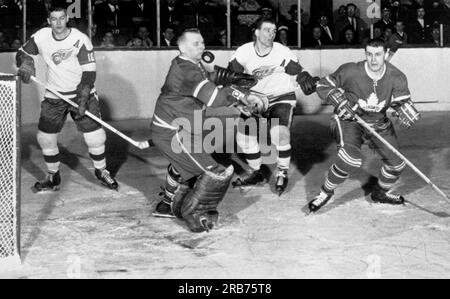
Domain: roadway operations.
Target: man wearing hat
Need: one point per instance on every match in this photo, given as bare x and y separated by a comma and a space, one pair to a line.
386, 20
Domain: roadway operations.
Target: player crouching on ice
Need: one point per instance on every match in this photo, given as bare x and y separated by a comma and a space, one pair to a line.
367, 89
195, 183
70, 58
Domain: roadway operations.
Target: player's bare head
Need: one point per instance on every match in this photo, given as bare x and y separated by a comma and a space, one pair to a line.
376, 43
376, 54
57, 19
265, 31
191, 44
57, 5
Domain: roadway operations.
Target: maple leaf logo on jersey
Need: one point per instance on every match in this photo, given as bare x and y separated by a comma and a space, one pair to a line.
61, 55
371, 104
266, 71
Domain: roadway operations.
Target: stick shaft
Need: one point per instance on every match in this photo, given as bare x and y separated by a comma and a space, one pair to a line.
400, 155
92, 116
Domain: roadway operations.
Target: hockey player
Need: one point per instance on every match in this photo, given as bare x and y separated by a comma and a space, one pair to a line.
275, 66
367, 88
195, 183
70, 59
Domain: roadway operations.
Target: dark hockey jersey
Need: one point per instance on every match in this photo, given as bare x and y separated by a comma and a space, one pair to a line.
374, 95
187, 89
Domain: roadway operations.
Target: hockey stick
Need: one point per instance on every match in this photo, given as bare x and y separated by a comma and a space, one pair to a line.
395, 151
138, 144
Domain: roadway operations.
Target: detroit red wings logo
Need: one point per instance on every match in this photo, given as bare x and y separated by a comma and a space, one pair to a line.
266, 71
61, 55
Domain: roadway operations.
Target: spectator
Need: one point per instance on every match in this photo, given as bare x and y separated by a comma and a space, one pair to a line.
3, 42
143, 14
135, 42
283, 35
108, 40
16, 43
221, 39
434, 14
144, 35
171, 14
168, 39
359, 26
398, 39
292, 24
385, 19
316, 37
266, 13
327, 35
246, 18
339, 14
348, 37
436, 36
388, 32
419, 29
112, 16
377, 32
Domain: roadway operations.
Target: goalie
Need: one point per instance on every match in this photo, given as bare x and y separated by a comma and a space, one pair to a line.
195, 183
367, 88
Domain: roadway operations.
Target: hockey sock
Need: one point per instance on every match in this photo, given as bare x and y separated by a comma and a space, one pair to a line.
284, 156
52, 159
389, 175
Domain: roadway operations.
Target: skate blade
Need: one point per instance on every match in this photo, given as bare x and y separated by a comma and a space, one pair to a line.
44, 191
159, 215
110, 187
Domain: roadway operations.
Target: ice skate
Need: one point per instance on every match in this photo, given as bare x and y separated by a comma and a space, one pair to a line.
381, 195
105, 178
281, 181
319, 201
51, 183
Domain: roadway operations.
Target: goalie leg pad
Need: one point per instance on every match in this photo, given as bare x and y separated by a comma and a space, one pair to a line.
199, 207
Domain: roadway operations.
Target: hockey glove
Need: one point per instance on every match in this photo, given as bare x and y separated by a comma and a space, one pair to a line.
26, 70
344, 109
83, 94
406, 112
307, 82
249, 103
223, 76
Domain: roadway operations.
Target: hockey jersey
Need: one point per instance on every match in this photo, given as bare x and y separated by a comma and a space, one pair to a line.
374, 95
276, 72
187, 89
66, 59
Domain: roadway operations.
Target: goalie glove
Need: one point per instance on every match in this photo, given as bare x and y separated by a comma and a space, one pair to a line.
343, 108
249, 103
225, 77
407, 113
307, 82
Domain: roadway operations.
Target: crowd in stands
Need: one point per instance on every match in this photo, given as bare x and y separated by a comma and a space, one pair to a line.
132, 23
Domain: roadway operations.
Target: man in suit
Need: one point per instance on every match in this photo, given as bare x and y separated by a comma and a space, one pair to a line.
419, 29
360, 27
327, 35
112, 15
143, 13
385, 19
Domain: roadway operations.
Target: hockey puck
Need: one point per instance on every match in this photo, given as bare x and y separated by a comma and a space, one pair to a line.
208, 57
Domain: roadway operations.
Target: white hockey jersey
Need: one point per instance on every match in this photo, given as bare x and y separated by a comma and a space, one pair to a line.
66, 59
276, 72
